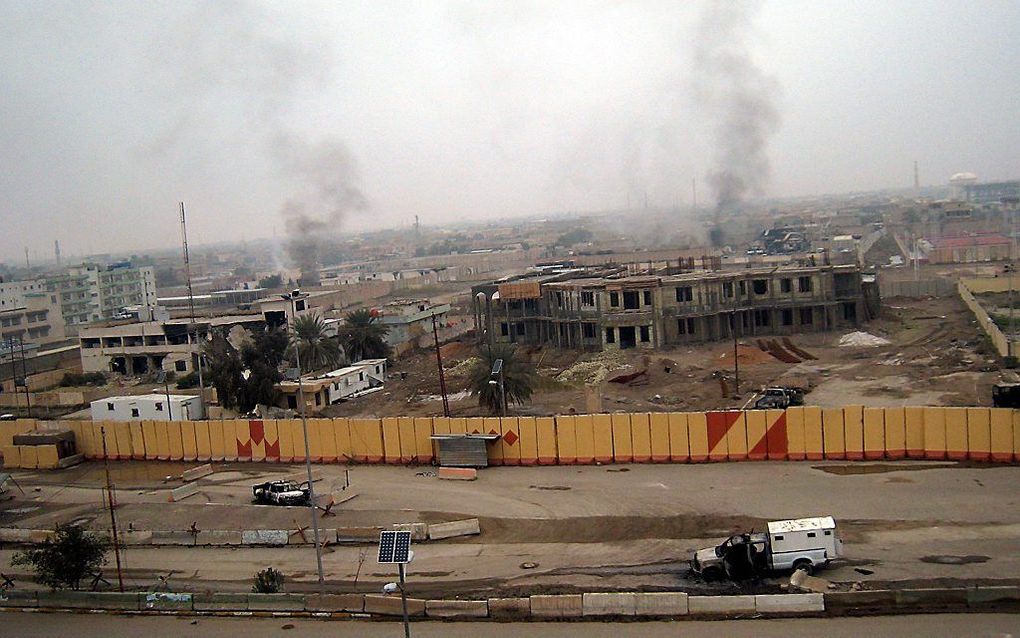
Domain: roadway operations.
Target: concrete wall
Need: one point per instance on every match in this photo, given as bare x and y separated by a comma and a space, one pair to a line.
936, 287
1002, 344
801, 433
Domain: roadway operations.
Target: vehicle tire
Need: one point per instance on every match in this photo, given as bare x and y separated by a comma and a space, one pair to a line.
711, 574
805, 565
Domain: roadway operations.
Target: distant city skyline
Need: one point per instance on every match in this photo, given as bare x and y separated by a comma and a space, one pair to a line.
365, 114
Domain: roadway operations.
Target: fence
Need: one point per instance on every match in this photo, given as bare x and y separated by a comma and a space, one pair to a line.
811, 433
1003, 344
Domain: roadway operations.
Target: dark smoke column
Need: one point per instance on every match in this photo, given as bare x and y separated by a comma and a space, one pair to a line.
327, 175
740, 97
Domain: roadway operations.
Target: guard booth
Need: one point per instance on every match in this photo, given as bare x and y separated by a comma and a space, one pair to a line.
464, 450
43, 450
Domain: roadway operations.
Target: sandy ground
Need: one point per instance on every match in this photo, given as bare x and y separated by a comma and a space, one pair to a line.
949, 626
937, 356
587, 528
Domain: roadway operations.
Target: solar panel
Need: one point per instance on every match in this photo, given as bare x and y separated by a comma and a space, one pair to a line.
394, 546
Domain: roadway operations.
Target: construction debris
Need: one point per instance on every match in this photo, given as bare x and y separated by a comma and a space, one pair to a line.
860, 339
801, 580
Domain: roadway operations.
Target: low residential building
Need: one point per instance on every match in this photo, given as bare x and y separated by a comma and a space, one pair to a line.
140, 348
334, 387
652, 311
410, 319
279, 311
149, 407
969, 249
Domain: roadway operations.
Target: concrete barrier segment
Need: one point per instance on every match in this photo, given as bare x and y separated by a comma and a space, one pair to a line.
661, 604
789, 603
467, 527
509, 608
566, 606
721, 605
275, 602
180, 493
609, 604
391, 606
354, 603
456, 609
196, 473
264, 537
457, 473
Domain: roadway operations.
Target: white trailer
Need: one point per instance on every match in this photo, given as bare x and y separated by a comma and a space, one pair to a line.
802, 543
151, 407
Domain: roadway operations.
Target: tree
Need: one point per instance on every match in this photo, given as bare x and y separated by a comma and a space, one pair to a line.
519, 377
71, 555
362, 337
316, 349
247, 377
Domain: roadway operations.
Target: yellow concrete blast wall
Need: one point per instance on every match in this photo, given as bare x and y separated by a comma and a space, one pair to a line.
342, 440
697, 433
105, 432
12, 456
236, 439
528, 444
423, 439
391, 440
1001, 435
217, 449
458, 425
623, 443
602, 436
137, 440
658, 428
297, 434
29, 457
979, 434
853, 431
510, 440
934, 433
736, 439
641, 437
176, 440
324, 441
545, 430
367, 440
203, 447
566, 440
795, 434
874, 433
162, 441
46, 456
895, 433
914, 431
284, 441
584, 436
833, 435
189, 440
814, 447
956, 433
679, 442
490, 425
757, 425
1016, 434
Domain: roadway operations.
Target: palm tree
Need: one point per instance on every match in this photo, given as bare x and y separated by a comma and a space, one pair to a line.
519, 376
316, 349
362, 337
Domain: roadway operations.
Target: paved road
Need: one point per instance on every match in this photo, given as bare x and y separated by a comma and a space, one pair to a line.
587, 527
30, 625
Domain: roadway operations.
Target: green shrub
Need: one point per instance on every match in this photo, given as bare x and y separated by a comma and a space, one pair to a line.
72, 555
1011, 362
268, 581
75, 379
187, 381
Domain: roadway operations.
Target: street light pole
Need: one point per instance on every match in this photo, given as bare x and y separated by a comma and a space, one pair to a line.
166, 388
304, 431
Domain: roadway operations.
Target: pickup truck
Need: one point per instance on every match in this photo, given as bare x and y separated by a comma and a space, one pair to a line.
804, 543
779, 398
281, 493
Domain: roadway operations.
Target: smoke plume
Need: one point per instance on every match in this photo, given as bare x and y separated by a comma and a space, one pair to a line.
740, 97
326, 172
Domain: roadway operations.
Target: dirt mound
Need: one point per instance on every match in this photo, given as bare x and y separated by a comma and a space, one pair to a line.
748, 356
594, 368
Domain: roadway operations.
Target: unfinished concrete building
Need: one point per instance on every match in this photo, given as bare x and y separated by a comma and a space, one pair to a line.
595, 310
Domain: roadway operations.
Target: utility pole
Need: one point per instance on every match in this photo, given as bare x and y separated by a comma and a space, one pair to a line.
439, 364
736, 358
24, 376
113, 517
191, 308
304, 431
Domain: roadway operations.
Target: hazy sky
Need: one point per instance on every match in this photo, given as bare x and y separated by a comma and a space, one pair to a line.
111, 113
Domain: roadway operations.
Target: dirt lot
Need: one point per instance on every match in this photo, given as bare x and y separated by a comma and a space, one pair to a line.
585, 528
936, 356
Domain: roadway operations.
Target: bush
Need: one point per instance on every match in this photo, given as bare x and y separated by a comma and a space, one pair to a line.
1011, 362
75, 379
64, 560
187, 381
268, 581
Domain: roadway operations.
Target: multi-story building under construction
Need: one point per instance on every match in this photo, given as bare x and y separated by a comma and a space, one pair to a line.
594, 309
